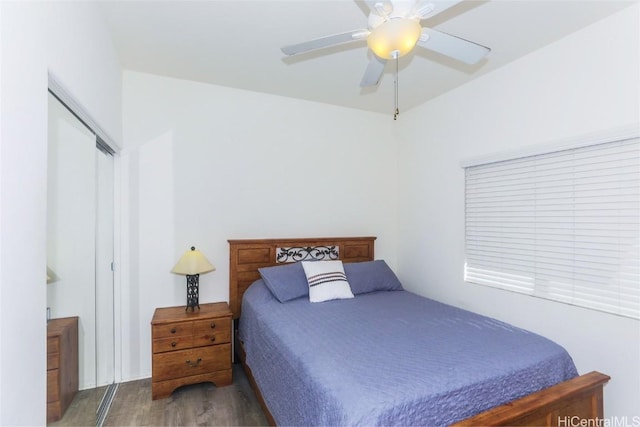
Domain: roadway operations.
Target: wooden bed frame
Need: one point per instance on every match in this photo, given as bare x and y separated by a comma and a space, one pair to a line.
563, 404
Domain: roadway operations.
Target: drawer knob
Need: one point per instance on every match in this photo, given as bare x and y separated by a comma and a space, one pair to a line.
213, 325
173, 344
213, 339
173, 330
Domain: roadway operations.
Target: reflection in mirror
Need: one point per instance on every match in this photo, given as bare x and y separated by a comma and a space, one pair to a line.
105, 322
79, 255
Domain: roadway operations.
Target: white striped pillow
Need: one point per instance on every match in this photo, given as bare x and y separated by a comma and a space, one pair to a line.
326, 280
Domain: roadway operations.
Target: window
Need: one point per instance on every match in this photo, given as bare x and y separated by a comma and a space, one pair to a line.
562, 225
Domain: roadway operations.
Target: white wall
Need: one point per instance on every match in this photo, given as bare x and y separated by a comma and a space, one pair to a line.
585, 83
70, 40
203, 164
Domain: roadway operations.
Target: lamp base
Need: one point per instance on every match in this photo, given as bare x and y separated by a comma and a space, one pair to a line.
192, 292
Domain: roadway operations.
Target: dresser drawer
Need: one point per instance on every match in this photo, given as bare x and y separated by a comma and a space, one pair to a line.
214, 331
172, 343
172, 330
184, 363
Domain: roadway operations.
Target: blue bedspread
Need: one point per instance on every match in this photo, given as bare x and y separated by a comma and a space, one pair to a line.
389, 358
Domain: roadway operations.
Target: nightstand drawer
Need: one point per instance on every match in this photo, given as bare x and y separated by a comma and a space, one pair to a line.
173, 343
53, 345
184, 363
53, 361
53, 381
172, 330
214, 331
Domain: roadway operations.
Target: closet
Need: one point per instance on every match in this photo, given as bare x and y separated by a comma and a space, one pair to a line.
80, 253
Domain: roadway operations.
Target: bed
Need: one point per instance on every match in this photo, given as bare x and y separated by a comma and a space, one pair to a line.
540, 387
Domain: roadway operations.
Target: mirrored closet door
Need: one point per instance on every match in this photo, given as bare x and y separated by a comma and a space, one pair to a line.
80, 303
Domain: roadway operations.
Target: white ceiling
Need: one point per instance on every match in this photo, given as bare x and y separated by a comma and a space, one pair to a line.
237, 44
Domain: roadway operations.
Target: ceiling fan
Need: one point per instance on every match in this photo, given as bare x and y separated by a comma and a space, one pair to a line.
393, 30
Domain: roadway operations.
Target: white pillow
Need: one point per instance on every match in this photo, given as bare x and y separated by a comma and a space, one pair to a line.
326, 280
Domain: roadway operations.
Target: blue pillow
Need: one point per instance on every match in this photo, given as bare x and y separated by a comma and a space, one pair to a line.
371, 276
286, 282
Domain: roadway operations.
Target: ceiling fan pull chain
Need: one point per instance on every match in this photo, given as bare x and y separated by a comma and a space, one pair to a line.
395, 87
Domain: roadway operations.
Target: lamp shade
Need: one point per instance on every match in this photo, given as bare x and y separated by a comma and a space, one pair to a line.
51, 276
394, 38
193, 262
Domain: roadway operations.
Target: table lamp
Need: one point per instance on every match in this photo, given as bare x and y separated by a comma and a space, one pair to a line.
192, 264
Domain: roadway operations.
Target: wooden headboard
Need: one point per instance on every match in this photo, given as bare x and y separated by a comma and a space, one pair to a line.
246, 256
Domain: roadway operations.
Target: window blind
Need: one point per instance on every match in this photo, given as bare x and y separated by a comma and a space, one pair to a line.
563, 225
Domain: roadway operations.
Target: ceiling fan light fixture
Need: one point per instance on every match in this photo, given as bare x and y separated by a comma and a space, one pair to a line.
394, 38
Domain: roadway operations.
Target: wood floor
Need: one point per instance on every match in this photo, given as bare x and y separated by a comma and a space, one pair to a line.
82, 410
194, 405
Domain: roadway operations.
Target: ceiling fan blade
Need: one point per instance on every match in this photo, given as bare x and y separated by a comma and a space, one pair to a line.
374, 71
326, 41
455, 47
427, 9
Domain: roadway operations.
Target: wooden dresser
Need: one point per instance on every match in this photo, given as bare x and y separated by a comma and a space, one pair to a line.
62, 365
190, 347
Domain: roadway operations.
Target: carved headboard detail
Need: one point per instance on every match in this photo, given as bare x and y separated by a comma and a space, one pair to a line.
248, 255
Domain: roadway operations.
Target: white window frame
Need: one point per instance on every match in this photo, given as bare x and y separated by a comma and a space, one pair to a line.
561, 222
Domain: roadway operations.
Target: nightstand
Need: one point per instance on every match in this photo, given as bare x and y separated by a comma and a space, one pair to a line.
190, 347
62, 365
